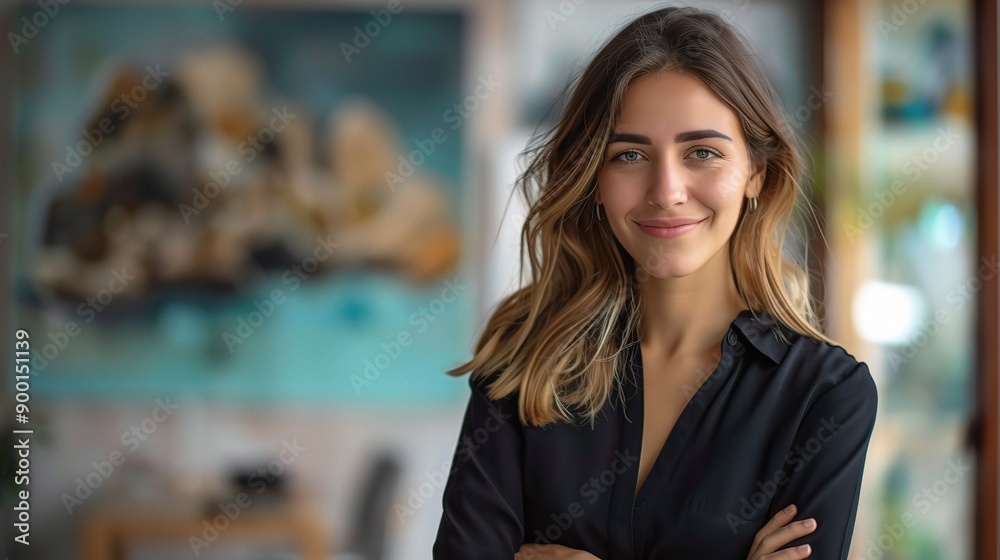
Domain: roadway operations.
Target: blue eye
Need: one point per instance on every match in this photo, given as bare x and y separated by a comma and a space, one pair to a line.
705, 152
631, 157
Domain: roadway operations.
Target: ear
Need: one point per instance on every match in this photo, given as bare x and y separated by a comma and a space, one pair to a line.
756, 181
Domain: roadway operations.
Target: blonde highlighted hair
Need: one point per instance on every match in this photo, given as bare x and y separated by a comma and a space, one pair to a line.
557, 340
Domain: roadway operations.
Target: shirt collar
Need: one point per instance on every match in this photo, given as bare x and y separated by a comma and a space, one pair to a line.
760, 330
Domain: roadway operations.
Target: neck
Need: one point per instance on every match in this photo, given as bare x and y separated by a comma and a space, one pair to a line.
688, 316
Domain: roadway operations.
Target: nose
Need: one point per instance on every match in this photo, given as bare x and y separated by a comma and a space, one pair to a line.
667, 186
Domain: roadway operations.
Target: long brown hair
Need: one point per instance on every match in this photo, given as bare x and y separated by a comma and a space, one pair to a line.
558, 339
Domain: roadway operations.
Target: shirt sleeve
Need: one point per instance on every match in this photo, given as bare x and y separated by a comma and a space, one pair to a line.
483, 516
823, 469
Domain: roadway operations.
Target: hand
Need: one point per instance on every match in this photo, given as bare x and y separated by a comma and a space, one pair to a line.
551, 552
778, 532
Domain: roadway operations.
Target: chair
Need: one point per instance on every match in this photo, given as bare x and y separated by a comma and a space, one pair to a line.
369, 522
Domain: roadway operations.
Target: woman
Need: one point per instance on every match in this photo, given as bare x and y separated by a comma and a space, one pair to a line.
661, 389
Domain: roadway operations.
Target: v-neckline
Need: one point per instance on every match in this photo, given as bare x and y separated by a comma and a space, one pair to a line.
626, 500
639, 407
669, 454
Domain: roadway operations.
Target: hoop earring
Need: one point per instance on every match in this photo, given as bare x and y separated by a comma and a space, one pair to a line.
752, 205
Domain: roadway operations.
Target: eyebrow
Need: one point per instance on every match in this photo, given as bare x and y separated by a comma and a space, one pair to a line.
681, 137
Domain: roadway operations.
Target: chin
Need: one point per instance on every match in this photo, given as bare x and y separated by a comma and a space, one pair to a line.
669, 268
665, 273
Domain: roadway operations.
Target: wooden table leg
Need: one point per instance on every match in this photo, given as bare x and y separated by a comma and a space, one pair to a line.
95, 541
313, 543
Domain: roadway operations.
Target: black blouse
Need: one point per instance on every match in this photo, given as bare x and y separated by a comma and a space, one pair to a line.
774, 424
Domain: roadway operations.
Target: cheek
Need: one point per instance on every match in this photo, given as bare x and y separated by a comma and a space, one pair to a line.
730, 186
621, 192
722, 193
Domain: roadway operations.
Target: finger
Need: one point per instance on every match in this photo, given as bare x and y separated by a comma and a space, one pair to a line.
785, 535
779, 520
527, 555
790, 553
526, 552
534, 550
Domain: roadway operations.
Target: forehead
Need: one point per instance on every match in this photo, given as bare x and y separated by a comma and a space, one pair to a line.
661, 104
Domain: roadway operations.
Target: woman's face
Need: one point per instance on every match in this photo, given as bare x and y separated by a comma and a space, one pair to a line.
677, 156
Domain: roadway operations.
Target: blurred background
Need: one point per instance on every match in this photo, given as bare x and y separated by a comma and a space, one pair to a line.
247, 238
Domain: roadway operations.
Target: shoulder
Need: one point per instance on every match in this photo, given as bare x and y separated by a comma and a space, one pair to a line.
815, 369
480, 386
481, 383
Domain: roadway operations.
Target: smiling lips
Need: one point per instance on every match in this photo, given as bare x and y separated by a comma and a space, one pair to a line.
669, 228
